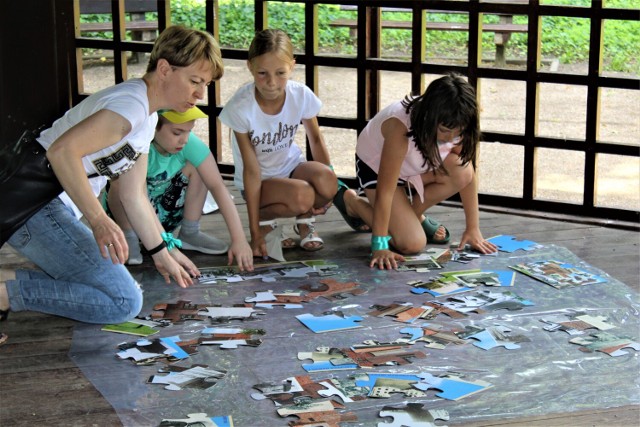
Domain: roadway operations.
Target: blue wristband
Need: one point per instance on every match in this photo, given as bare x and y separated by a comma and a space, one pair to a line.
171, 241
379, 243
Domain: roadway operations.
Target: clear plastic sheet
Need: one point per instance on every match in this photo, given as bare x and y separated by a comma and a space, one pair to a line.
544, 376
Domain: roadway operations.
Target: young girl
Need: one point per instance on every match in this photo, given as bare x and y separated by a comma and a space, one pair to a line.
412, 155
108, 134
270, 169
180, 170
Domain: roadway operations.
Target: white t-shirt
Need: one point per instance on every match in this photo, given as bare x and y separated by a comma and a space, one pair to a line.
129, 99
271, 135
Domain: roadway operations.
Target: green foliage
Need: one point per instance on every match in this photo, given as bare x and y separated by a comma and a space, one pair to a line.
566, 38
189, 13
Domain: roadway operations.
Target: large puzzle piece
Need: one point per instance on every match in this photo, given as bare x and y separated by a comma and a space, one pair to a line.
605, 342
558, 274
494, 336
196, 376
485, 300
575, 324
412, 415
382, 385
511, 244
320, 413
290, 391
451, 386
438, 286
329, 322
385, 356
345, 389
404, 312
327, 359
178, 312
433, 336
231, 337
199, 420
147, 352
219, 314
331, 289
423, 265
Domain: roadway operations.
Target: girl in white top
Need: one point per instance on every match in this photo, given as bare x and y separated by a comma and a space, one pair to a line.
270, 169
412, 155
83, 275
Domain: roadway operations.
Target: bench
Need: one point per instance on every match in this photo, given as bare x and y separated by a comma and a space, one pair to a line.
141, 29
502, 30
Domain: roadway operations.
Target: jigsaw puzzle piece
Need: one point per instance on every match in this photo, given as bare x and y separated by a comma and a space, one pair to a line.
317, 414
200, 420
574, 324
451, 387
326, 359
328, 323
606, 342
511, 244
496, 336
197, 376
345, 389
413, 415
178, 312
382, 385
332, 289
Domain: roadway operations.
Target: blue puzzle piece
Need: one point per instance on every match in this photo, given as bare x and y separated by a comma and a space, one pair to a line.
328, 366
416, 333
505, 277
328, 323
171, 342
452, 388
486, 339
510, 244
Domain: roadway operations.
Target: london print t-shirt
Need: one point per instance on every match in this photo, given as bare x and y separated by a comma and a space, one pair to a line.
272, 136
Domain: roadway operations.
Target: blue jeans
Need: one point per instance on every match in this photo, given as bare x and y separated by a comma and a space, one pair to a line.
76, 282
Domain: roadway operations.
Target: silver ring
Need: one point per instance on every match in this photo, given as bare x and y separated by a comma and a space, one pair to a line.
109, 245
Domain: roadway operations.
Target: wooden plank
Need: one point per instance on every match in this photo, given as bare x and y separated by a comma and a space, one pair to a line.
437, 26
129, 25
42, 386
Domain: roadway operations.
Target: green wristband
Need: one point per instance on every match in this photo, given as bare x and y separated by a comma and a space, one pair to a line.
379, 243
171, 241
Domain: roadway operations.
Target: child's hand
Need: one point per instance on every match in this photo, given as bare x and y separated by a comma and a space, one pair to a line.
185, 262
385, 259
478, 243
170, 267
243, 254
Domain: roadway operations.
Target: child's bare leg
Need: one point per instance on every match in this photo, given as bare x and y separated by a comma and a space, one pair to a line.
321, 178
439, 187
407, 236
284, 198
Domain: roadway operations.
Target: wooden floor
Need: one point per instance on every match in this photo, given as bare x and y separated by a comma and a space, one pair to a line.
41, 386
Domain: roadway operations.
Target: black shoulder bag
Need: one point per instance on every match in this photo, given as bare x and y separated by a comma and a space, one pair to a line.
27, 183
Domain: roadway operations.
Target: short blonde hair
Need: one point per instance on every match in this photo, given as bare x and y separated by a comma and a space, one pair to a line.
271, 41
182, 47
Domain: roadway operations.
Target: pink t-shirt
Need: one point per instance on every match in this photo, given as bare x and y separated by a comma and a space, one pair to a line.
371, 141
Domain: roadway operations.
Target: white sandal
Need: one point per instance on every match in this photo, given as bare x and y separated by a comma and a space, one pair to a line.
283, 237
310, 237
